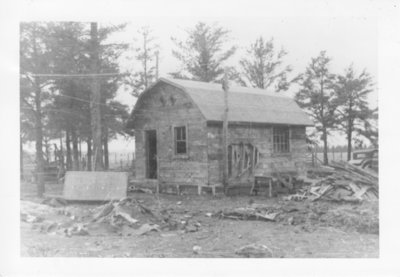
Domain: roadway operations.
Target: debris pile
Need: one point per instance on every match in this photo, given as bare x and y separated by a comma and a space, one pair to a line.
33, 212
253, 212
309, 215
346, 183
54, 201
126, 217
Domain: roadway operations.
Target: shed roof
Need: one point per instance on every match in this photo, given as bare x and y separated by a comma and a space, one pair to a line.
245, 104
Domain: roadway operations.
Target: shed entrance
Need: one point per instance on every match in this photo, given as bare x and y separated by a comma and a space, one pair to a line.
151, 154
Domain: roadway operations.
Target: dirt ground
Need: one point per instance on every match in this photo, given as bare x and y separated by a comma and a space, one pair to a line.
303, 229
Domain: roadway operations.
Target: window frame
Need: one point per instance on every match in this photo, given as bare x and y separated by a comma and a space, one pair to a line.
280, 143
175, 139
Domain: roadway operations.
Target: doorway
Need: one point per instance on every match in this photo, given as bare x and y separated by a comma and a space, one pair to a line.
151, 154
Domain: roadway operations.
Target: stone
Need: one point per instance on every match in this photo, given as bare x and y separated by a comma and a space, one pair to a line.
254, 251
196, 249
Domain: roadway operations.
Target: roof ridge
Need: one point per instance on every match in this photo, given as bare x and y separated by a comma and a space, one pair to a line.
246, 104
216, 86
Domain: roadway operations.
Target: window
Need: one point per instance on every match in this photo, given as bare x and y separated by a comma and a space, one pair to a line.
281, 139
180, 140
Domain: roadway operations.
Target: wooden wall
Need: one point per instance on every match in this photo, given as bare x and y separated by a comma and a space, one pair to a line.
166, 107
261, 138
161, 109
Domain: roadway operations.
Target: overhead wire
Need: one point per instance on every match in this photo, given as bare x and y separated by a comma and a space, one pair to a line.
79, 75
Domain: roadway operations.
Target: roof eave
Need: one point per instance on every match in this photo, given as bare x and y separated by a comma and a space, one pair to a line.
260, 123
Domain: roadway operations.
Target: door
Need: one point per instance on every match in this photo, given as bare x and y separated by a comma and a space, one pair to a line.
151, 154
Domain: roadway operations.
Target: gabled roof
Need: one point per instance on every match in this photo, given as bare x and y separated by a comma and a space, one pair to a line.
245, 104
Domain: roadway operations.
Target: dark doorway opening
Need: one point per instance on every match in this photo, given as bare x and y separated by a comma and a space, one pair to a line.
151, 154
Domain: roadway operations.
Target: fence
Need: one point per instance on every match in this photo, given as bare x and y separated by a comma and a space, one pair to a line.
121, 161
118, 161
332, 156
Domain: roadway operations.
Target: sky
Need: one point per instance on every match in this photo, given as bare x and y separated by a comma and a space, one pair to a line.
347, 40
347, 35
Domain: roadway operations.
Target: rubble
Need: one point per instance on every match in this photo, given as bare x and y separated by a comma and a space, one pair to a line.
124, 214
263, 213
54, 201
76, 230
135, 189
31, 218
146, 228
190, 226
254, 251
345, 186
345, 182
126, 217
196, 249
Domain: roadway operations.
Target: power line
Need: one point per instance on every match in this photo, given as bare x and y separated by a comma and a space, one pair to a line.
83, 75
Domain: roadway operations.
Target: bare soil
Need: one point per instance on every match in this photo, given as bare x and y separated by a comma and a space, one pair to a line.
307, 229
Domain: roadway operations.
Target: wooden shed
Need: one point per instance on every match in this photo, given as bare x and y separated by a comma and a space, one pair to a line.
178, 134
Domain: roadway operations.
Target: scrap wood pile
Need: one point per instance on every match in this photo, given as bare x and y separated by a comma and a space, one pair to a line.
126, 217
253, 212
345, 183
308, 216
260, 212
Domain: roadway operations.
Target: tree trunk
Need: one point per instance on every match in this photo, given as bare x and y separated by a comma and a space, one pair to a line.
47, 150
95, 100
21, 159
89, 153
325, 140
349, 136
62, 165
75, 150
68, 147
349, 146
105, 149
80, 148
39, 143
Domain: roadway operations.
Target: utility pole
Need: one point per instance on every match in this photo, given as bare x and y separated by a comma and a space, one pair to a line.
95, 100
225, 87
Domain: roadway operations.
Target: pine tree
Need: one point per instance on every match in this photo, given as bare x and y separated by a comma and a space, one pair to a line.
202, 54
69, 112
263, 66
317, 97
65, 99
35, 58
353, 114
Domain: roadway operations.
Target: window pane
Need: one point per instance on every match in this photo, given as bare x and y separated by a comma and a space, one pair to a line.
180, 140
181, 147
183, 133
281, 139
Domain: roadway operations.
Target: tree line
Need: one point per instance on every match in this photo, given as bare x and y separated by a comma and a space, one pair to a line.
335, 102
56, 78
55, 92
